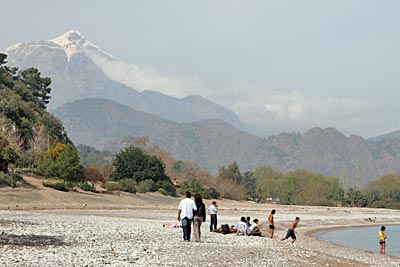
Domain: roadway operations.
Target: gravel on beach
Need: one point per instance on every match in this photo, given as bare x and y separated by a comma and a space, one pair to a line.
135, 237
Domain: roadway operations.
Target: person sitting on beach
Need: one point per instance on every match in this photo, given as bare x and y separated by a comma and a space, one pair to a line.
172, 225
254, 228
242, 228
290, 231
382, 240
248, 221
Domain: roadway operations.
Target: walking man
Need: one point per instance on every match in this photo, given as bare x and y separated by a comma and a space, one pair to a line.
213, 210
185, 211
290, 231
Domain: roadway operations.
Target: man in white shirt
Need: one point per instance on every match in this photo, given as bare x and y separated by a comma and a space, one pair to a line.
212, 210
186, 208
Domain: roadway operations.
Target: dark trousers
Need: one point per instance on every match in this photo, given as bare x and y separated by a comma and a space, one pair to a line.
213, 223
187, 228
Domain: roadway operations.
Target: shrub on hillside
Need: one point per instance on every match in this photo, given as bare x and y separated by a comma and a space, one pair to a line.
113, 186
163, 191
57, 186
128, 185
87, 187
167, 186
196, 186
9, 179
147, 186
211, 193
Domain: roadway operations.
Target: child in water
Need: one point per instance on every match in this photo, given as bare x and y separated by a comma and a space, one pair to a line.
382, 240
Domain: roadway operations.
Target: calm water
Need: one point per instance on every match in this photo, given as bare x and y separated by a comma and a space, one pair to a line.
366, 238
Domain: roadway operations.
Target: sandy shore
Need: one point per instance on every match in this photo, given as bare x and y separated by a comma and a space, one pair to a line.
105, 233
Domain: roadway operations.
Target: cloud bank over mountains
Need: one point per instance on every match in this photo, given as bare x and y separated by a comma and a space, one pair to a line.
262, 110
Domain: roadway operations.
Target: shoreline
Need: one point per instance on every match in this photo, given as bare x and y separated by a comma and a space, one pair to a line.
119, 229
42, 227
314, 232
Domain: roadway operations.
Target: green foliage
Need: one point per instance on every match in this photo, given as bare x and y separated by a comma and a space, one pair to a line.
38, 89
24, 122
91, 157
298, 187
384, 192
133, 163
113, 186
210, 193
162, 191
128, 185
87, 187
58, 186
146, 186
9, 179
232, 173
145, 170
7, 155
167, 186
64, 164
249, 183
196, 187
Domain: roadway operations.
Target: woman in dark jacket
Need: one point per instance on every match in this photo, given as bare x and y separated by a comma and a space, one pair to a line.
199, 216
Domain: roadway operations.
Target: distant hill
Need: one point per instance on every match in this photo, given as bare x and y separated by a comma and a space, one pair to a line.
69, 61
213, 143
391, 135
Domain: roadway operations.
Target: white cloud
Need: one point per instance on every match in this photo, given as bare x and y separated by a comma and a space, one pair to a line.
270, 111
145, 77
261, 109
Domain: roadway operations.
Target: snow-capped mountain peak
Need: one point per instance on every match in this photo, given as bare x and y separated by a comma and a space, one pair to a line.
71, 37
72, 42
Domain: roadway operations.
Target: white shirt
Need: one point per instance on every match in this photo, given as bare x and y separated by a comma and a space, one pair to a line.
212, 210
187, 206
252, 228
242, 227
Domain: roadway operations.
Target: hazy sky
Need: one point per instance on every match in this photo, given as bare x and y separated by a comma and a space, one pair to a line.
280, 65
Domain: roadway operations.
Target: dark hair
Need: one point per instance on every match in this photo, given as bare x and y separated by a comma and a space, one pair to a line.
297, 218
214, 202
248, 218
273, 211
188, 194
255, 220
198, 198
383, 228
243, 219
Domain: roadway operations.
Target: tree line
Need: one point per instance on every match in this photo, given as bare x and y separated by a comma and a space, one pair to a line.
31, 139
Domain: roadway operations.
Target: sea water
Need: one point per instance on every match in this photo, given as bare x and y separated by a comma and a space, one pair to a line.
365, 238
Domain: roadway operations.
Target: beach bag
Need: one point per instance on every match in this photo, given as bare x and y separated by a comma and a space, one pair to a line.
225, 229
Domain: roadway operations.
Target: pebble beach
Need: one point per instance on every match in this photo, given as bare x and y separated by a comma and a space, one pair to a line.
135, 236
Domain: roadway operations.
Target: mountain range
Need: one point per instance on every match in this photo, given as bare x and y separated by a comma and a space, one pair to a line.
214, 143
98, 110
70, 61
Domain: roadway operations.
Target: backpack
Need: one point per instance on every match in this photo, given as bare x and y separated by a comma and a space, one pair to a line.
225, 229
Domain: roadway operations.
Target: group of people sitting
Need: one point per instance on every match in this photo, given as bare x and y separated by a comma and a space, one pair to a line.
245, 227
